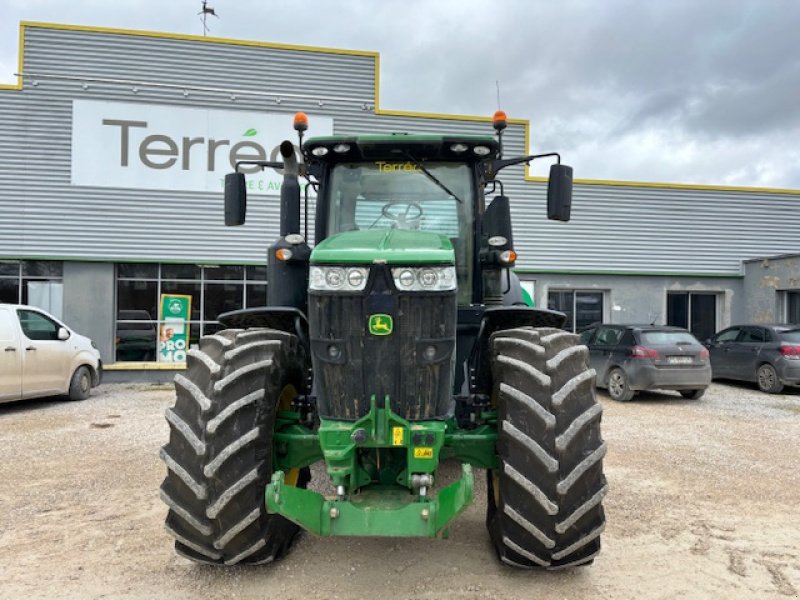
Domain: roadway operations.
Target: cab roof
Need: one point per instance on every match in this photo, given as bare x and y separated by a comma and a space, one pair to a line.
398, 147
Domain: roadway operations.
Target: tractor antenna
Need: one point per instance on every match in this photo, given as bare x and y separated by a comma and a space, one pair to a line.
206, 10
499, 120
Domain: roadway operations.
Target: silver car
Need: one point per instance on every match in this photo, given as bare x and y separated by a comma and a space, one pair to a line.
43, 357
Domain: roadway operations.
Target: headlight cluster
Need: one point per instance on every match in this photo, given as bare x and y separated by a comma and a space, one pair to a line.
338, 279
424, 279
406, 279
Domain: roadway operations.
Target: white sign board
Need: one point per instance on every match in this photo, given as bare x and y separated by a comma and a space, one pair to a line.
145, 146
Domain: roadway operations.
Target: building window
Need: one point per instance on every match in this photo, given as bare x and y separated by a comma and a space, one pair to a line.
694, 311
792, 304
35, 282
583, 308
214, 289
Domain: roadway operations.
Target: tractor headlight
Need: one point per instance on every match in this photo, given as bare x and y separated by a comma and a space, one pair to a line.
337, 279
424, 279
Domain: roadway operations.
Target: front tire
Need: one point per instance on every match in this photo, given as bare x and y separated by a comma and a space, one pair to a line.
219, 455
544, 502
692, 394
80, 386
768, 380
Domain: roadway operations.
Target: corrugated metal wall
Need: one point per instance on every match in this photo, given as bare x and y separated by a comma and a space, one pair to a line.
614, 228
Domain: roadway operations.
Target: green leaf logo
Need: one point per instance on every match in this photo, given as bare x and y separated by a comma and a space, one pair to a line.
250, 132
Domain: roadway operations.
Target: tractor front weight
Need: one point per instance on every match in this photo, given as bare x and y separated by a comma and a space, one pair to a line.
382, 468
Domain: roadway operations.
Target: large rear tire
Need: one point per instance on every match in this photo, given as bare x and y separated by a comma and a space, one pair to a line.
544, 502
219, 455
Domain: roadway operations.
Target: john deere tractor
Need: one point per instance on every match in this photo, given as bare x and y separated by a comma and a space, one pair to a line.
399, 341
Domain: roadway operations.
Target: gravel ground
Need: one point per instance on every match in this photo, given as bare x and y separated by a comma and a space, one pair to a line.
703, 504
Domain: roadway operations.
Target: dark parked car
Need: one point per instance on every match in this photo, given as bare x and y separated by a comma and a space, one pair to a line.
630, 358
766, 354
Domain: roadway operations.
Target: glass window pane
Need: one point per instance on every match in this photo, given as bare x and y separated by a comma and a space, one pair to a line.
258, 273
136, 300
136, 341
256, 295
186, 289
209, 328
794, 308
180, 272
753, 335
224, 272
703, 315
137, 270
36, 326
678, 310
588, 309
220, 298
194, 334
729, 335
562, 300
9, 291
9, 268
43, 268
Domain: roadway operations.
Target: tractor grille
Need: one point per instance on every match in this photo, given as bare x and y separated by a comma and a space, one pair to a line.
412, 365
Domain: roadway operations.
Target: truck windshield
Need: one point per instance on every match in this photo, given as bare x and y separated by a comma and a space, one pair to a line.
399, 195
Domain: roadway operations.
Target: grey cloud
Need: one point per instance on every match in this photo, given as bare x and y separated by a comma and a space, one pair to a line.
599, 80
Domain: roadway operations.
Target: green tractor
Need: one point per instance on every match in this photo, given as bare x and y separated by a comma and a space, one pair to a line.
400, 341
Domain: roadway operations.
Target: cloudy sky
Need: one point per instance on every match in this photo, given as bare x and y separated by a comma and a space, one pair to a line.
692, 91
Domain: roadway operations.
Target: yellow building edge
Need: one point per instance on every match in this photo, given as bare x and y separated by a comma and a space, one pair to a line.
378, 110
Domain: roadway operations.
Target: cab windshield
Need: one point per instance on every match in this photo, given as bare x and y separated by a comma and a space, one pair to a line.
400, 195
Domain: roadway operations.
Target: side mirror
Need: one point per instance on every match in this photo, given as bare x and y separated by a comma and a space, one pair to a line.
235, 199
559, 193
497, 232
63, 334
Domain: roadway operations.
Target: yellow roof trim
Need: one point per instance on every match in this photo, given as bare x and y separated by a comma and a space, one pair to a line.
378, 110
675, 186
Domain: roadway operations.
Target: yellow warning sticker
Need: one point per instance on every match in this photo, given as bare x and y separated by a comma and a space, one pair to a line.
397, 436
423, 452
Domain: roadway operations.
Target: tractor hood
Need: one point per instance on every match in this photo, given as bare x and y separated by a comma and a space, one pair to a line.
390, 246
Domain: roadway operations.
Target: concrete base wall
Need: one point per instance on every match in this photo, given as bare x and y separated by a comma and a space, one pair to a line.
89, 303
764, 280
643, 298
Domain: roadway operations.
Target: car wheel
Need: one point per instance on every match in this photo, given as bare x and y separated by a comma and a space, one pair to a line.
81, 384
768, 380
618, 387
692, 394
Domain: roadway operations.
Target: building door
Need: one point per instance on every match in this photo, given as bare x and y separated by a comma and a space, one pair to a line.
695, 311
793, 308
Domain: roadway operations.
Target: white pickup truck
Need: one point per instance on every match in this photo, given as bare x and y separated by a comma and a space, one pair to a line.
40, 356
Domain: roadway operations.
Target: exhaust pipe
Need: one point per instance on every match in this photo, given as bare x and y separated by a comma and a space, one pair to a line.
290, 190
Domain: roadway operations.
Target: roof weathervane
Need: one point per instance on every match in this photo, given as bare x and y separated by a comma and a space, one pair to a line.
206, 10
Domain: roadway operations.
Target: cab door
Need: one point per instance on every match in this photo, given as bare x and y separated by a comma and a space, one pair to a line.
10, 358
46, 361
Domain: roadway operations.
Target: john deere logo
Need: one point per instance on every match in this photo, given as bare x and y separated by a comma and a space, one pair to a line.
380, 324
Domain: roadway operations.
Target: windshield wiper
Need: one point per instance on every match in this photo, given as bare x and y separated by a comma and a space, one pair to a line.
432, 177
